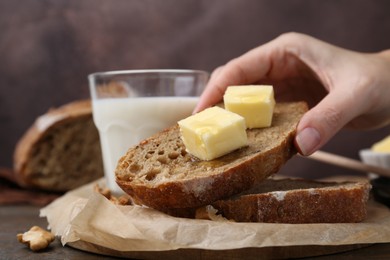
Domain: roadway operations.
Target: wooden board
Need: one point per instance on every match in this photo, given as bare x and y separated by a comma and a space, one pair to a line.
242, 253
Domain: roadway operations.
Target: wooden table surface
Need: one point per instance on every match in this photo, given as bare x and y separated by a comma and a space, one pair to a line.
19, 218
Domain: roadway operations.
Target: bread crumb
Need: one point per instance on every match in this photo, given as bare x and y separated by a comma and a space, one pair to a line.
36, 238
210, 213
106, 192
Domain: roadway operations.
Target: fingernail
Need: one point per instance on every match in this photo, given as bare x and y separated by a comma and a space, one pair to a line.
307, 140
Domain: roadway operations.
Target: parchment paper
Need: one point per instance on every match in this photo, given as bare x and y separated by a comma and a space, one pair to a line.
88, 216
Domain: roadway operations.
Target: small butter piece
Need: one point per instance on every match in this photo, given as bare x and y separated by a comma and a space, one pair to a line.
213, 132
254, 102
382, 146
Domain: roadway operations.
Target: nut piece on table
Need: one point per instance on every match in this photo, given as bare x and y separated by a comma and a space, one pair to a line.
36, 238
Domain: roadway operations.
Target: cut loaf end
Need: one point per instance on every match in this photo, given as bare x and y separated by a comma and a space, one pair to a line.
61, 150
159, 173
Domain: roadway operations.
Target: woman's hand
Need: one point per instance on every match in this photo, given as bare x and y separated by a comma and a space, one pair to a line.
342, 87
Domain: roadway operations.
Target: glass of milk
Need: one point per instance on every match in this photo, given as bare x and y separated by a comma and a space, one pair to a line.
129, 106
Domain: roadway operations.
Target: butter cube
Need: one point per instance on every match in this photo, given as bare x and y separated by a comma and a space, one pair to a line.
254, 102
382, 146
213, 132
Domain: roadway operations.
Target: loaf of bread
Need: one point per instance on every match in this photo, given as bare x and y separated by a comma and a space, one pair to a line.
159, 173
294, 201
61, 150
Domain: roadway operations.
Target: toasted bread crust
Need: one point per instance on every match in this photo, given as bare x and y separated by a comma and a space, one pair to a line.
331, 203
38, 142
186, 182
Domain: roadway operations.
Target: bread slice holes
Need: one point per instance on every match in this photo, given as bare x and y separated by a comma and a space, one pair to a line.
173, 155
162, 159
183, 152
135, 167
161, 152
149, 154
124, 163
151, 175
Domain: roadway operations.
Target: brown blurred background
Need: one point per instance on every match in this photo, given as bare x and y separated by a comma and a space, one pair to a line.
47, 49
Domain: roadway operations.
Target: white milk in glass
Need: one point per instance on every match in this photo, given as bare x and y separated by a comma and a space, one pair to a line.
124, 122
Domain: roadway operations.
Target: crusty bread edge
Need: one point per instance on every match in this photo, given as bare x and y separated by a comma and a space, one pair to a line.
346, 203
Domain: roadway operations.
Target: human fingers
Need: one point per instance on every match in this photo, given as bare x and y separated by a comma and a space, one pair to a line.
245, 69
324, 120
378, 113
291, 55
205, 101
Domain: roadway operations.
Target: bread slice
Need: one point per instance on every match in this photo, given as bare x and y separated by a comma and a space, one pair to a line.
159, 173
295, 201
61, 150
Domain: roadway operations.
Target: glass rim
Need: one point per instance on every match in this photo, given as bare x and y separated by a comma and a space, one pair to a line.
146, 71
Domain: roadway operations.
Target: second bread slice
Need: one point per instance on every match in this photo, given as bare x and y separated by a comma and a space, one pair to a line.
298, 201
159, 173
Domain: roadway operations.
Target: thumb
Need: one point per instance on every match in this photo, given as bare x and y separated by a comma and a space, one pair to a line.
324, 120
